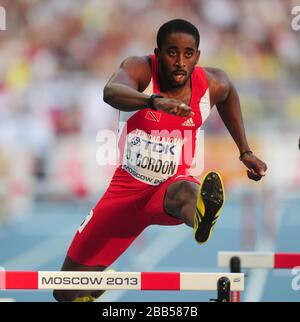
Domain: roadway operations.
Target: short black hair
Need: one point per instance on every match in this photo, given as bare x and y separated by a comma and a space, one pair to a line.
176, 25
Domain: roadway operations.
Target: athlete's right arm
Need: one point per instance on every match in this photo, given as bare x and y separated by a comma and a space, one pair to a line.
124, 89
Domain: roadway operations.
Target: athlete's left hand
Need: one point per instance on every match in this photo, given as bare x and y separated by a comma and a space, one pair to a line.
256, 167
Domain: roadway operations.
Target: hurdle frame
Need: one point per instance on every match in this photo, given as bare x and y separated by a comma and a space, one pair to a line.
237, 260
223, 283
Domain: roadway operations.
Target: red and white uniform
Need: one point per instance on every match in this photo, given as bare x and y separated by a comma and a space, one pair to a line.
160, 145
157, 149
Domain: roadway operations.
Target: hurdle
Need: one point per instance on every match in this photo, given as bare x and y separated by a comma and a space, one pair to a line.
270, 260
223, 283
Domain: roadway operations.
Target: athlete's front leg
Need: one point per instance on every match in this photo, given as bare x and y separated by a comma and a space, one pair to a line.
197, 207
181, 199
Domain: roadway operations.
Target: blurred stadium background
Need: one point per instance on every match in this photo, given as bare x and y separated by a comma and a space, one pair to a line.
55, 58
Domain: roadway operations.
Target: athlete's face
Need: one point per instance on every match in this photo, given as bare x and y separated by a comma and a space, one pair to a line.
177, 58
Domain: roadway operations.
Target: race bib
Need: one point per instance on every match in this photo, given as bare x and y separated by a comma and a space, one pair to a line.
151, 158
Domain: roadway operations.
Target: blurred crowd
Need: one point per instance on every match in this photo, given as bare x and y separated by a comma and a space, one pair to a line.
56, 56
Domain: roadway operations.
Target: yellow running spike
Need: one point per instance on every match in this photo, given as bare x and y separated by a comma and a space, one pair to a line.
211, 197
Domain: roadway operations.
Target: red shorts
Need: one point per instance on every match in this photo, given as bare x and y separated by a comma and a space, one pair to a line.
125, 210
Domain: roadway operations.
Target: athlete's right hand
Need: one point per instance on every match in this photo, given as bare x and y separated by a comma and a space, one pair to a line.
173, 106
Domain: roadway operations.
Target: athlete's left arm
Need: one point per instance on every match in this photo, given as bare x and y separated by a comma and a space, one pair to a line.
223, 94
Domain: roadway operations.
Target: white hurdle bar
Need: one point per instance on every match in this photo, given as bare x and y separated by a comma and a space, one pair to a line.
143, 281
66, 280
260, 259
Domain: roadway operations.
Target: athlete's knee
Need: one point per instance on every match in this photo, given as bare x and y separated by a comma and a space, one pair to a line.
186, 192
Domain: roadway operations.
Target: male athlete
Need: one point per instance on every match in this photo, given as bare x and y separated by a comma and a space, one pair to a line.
170, 98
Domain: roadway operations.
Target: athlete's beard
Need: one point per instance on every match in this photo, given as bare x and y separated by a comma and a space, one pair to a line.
169, 78
178, 85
